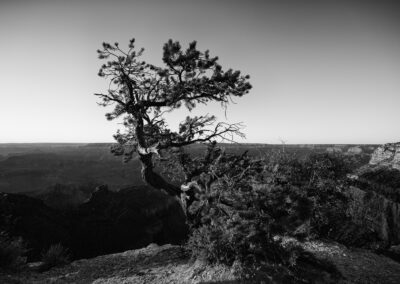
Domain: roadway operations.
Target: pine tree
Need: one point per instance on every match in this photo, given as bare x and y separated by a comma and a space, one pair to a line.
142, 94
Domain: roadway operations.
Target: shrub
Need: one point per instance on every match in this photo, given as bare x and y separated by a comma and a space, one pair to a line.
56, 255
238, 216
12, 251
232, 220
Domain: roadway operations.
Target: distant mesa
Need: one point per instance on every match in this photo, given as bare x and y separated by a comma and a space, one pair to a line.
356, 150
387, 155
334, 149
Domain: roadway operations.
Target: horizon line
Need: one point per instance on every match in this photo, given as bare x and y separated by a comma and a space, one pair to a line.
230, 143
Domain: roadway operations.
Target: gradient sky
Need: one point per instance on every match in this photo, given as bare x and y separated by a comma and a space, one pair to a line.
322, 71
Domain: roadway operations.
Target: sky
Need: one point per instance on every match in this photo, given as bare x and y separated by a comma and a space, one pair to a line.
322, 71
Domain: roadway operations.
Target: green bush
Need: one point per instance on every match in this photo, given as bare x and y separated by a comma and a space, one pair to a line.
56, 255
12, 252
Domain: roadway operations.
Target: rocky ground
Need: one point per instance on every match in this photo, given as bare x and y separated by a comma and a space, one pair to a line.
171, 264
357, 265
153, 264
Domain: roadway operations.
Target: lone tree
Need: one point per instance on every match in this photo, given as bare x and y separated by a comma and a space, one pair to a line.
142, 94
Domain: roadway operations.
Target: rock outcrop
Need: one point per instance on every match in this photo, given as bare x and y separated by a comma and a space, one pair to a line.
387, 155
376, 195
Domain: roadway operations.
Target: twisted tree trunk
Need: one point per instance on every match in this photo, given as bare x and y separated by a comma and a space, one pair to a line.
151, 177
145, 156
154, 179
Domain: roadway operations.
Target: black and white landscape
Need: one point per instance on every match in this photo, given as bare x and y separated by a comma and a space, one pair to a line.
199, 141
